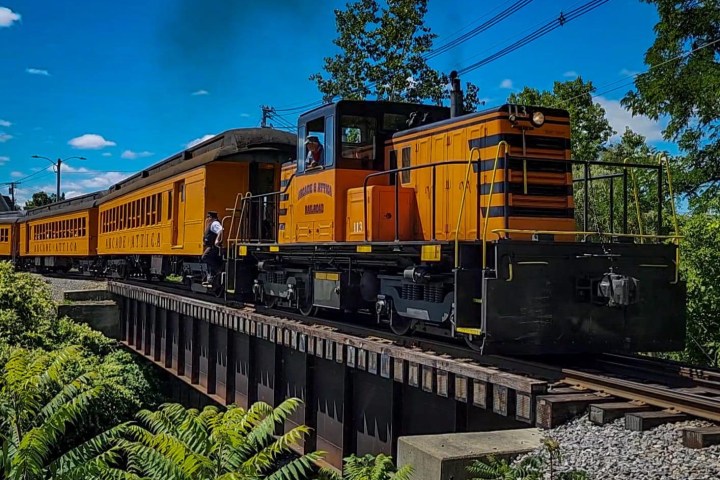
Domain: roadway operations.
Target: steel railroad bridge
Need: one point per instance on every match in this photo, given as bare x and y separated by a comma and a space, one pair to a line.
359, 394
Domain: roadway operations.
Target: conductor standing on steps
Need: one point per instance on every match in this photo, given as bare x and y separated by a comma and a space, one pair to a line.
212, 242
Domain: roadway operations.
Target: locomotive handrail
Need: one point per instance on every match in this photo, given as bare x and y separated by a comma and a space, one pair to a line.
637, 199
249, 198
487, 209
661, 157
395, 171
498, 231
462, 202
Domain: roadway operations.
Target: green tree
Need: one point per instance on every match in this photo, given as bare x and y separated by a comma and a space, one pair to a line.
682, 84
38, 402
179, 443
28, 319
700, 267
383, 55
41, 198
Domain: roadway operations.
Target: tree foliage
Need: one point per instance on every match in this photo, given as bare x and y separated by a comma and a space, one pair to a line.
369, 467
700, 262
42, 198
682, 84
382, 54
39, 402
233, 443
28, 319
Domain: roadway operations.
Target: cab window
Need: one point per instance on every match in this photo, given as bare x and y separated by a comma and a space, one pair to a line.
358, 141
315, 148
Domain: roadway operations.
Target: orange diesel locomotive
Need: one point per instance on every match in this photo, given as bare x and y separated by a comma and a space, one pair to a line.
456, 225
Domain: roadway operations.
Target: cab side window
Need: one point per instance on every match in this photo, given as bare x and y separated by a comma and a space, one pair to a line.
316, 144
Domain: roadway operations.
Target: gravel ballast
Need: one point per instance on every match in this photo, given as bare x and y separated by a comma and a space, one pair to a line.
612, 452
60, 285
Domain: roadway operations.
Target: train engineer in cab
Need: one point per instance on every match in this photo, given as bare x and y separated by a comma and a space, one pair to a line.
315, 152
212, 241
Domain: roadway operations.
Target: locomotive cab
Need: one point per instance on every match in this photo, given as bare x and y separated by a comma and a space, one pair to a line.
351, 136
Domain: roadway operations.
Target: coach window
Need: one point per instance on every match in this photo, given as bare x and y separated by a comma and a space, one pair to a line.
358, 142
169, 204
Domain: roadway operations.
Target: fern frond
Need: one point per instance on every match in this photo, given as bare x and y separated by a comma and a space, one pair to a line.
298, 469
90, 449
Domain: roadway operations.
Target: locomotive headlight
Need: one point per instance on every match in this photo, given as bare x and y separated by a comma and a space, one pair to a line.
538, 118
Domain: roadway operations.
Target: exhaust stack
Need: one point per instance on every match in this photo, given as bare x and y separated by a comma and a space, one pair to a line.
456, 95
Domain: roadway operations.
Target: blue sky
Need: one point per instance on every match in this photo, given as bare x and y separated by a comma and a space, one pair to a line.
128, 84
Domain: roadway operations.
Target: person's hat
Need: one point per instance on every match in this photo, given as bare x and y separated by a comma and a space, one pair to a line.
212, 213
312, 139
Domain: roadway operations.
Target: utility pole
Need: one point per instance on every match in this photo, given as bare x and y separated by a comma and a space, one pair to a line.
266, 113
58, 166
12, 193
57, 190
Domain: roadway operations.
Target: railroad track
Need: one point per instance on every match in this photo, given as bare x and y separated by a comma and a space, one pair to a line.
653, 382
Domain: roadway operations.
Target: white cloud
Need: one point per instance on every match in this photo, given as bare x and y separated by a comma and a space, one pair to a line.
4, 137
107, 154
5, 123
620, 118
192, 143
200, 92
17, 174
507, 83
102, 180
90, 141
570, 74
4, 160
37, 71
73, 194
66, 168
130, 155
8, 17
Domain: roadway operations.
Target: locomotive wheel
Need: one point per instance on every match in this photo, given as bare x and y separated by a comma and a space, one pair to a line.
475, 342
308, 310
402, 325
270, 301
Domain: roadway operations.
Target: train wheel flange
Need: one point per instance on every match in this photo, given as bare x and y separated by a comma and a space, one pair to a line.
475, 342
402, 325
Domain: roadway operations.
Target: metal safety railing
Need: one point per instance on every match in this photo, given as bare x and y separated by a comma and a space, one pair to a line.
433, 191
258, 216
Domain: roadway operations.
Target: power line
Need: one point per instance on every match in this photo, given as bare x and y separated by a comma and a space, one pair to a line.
478, 30
553, 24
541, 32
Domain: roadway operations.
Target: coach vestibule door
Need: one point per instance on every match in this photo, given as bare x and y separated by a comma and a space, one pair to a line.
178, 234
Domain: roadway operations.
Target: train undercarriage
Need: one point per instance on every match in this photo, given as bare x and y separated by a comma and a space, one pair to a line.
531, 297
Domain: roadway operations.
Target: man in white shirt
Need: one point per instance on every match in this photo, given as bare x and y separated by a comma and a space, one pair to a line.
212, 241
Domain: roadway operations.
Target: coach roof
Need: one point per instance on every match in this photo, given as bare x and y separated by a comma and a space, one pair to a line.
241, 141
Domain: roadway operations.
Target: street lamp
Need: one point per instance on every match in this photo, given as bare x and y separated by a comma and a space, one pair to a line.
57, 166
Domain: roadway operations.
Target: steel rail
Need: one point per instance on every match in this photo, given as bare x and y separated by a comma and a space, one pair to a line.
666, 398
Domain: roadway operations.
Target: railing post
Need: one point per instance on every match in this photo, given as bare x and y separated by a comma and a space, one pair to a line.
586, 199
625, 201
397, 203
659, 199
612, 205
432, 203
